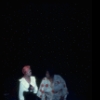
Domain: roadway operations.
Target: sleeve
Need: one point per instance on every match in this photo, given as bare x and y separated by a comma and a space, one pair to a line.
41, 93
57, 84
21, 89
60, 85
36, 88
64, 88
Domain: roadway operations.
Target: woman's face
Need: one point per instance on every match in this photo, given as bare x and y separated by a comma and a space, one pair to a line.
29, 72
47, 74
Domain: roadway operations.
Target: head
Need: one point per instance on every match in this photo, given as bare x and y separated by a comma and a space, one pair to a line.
27, 71
50, 73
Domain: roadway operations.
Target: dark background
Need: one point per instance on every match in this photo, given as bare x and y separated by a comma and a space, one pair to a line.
42, 35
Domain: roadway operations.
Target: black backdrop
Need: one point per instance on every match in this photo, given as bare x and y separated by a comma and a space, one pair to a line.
42, 35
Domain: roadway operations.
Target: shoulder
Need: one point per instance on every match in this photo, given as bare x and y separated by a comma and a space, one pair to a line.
33, 78
57, 76
44, 78
21, 79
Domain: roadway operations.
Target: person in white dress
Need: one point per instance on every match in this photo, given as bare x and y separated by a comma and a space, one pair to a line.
27, 84
53, 87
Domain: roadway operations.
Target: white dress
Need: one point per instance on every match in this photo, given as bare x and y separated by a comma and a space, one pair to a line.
24, 85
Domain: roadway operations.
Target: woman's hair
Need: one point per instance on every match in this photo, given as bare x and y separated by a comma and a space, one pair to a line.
51, 71
25, 69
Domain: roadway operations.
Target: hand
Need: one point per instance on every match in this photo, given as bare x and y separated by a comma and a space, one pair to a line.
32, 88
62, 98
53, 91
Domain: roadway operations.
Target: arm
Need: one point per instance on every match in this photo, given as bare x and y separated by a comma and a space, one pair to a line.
35, 88
21, 89
64, 88
60, 85
41, 93
57, 83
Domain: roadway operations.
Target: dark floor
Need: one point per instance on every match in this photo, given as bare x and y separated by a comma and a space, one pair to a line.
70, 97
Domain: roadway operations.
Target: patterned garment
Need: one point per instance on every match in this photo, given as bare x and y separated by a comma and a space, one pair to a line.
57, 90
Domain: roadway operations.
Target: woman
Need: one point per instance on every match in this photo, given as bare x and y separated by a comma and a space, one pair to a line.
27, 86
53, 87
